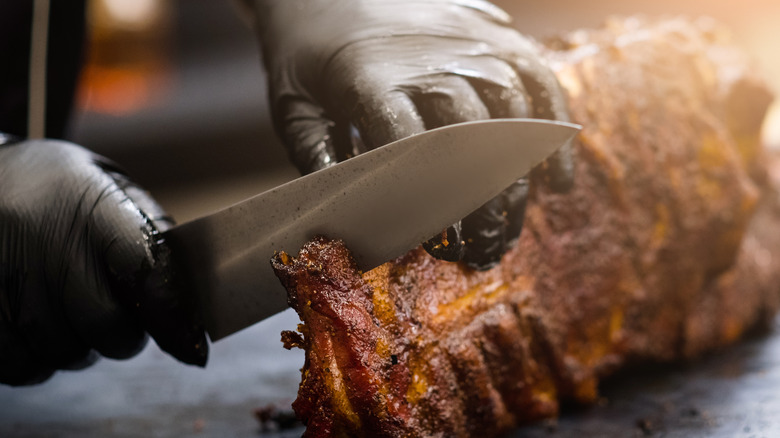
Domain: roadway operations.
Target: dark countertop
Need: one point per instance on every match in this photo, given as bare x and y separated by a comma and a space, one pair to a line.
152, 395
731, 393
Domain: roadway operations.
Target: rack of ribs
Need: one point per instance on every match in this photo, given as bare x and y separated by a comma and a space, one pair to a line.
668, 246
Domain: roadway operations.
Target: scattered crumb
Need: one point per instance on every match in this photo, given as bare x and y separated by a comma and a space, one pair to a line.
551, 425
645, 425
198, 425
273, 418
292, 339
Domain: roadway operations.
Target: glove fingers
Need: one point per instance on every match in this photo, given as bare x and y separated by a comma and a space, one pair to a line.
98, 239
308, 135
549, 102
447, 245
385, 117
484, 232
514, 199
452, 100
505, 102
495, 227
397, 117
510, 104
44, 232
142, 278
169, 317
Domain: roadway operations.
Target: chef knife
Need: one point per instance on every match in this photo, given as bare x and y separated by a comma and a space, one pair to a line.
381, 203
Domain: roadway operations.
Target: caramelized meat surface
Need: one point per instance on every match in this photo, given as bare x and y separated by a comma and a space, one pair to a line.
667, 246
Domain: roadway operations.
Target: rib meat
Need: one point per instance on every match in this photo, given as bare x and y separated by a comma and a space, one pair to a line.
667, 246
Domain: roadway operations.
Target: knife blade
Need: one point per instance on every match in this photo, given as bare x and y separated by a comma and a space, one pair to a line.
382, 203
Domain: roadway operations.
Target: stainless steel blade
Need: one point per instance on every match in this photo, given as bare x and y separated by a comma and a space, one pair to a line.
381, 203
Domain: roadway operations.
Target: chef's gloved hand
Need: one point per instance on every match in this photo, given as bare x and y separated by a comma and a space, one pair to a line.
81, 271
393, 68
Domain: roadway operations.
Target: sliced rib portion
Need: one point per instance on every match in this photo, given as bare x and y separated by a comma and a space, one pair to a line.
667, 246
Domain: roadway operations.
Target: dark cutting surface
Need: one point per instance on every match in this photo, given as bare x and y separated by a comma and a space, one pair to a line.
731, 393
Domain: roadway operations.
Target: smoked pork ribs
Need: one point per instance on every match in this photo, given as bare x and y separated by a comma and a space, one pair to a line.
667, 246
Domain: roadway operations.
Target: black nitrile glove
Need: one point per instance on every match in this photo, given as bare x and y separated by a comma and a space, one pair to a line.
393, 68
81, 270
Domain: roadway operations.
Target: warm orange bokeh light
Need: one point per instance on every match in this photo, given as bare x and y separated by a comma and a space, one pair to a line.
127, 67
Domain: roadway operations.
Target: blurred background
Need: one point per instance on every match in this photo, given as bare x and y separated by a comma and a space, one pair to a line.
174, 91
